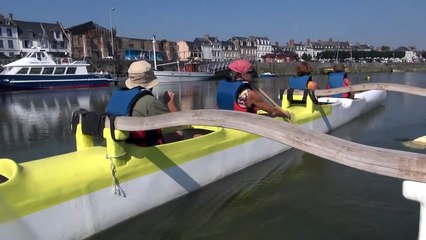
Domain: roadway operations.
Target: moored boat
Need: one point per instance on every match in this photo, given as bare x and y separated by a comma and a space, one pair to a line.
191, 71
268, 74
37, 70
69, 196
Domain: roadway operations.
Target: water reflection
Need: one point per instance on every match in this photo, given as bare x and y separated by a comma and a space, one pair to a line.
32, 117
190, 95
283, 196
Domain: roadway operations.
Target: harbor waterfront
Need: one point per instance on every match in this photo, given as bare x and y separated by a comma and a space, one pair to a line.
268, 200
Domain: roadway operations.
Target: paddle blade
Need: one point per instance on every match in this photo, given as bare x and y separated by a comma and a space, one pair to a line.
418, 143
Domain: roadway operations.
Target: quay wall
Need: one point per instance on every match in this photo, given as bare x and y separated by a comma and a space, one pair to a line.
287, 69
318, 68
284, 69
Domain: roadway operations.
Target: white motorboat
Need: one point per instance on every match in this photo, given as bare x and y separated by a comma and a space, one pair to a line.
38, 70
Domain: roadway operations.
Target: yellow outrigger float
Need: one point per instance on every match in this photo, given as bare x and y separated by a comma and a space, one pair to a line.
77, 194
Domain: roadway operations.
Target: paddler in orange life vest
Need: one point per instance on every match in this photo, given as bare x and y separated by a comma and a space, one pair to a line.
237, 93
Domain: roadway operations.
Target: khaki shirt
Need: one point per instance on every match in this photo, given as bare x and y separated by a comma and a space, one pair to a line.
149, 106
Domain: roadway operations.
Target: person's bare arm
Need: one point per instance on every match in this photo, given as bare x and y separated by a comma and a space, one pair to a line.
171, 104
255, 98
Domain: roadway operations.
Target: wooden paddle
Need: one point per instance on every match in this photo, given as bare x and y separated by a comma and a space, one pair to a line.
373, 86
418, 143
276, 105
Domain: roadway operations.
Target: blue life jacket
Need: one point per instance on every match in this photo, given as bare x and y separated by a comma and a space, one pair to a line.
299, 82
336, 80
122, 103
227, 93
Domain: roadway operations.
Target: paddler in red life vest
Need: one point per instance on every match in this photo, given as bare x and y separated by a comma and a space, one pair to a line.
237, 93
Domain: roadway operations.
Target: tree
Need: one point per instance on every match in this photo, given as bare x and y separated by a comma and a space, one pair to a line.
306, 57
385, 48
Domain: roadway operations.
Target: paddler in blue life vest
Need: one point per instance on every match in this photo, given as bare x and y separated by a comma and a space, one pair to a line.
339, 78
303, 80
237, 93
137, 100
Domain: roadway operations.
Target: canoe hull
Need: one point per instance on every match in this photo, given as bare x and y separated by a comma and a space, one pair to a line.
144, 181
30, 82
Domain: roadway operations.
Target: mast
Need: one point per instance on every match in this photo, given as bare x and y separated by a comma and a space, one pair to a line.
337, 54
153, 50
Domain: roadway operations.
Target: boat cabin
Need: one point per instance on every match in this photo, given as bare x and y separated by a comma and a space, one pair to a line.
40, 63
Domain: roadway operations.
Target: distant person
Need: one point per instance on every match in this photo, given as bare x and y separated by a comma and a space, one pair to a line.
339, 78
303, 80
138, 101
237, 93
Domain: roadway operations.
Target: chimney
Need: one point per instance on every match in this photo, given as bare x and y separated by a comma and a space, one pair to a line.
11, 16
308, 41
206, 36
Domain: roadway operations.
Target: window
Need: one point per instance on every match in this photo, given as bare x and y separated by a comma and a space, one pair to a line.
1, 44
11, 54
0, 31
59, 70
10, 43
35, 70
9, 32
48, 70
23, 71
27, 44
71, 70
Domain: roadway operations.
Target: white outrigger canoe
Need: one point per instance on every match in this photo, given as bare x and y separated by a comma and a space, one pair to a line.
70, 196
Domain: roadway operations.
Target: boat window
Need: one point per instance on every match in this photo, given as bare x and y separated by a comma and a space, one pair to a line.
35, 70
59, 70
23, 71
38, 55
71, 70
48, 70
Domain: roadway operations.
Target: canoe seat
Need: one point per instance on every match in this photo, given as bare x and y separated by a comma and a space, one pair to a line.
293, 96
92, 123
87, 125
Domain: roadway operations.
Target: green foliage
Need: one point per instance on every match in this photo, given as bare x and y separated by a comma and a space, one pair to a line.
306, 57
385, 48
360, 55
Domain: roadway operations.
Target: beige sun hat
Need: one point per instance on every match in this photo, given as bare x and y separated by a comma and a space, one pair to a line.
141, 74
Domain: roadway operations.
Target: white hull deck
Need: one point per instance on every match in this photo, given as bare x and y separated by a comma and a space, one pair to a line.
174, 76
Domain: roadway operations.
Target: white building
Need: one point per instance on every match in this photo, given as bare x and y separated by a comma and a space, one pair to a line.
263, 46
8, 36
50, 37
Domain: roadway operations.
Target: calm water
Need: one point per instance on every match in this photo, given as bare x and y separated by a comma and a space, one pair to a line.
294, 195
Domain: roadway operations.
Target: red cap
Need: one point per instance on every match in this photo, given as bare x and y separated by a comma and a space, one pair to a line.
240, 66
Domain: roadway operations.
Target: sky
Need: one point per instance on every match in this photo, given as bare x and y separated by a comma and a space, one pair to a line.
392, 23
